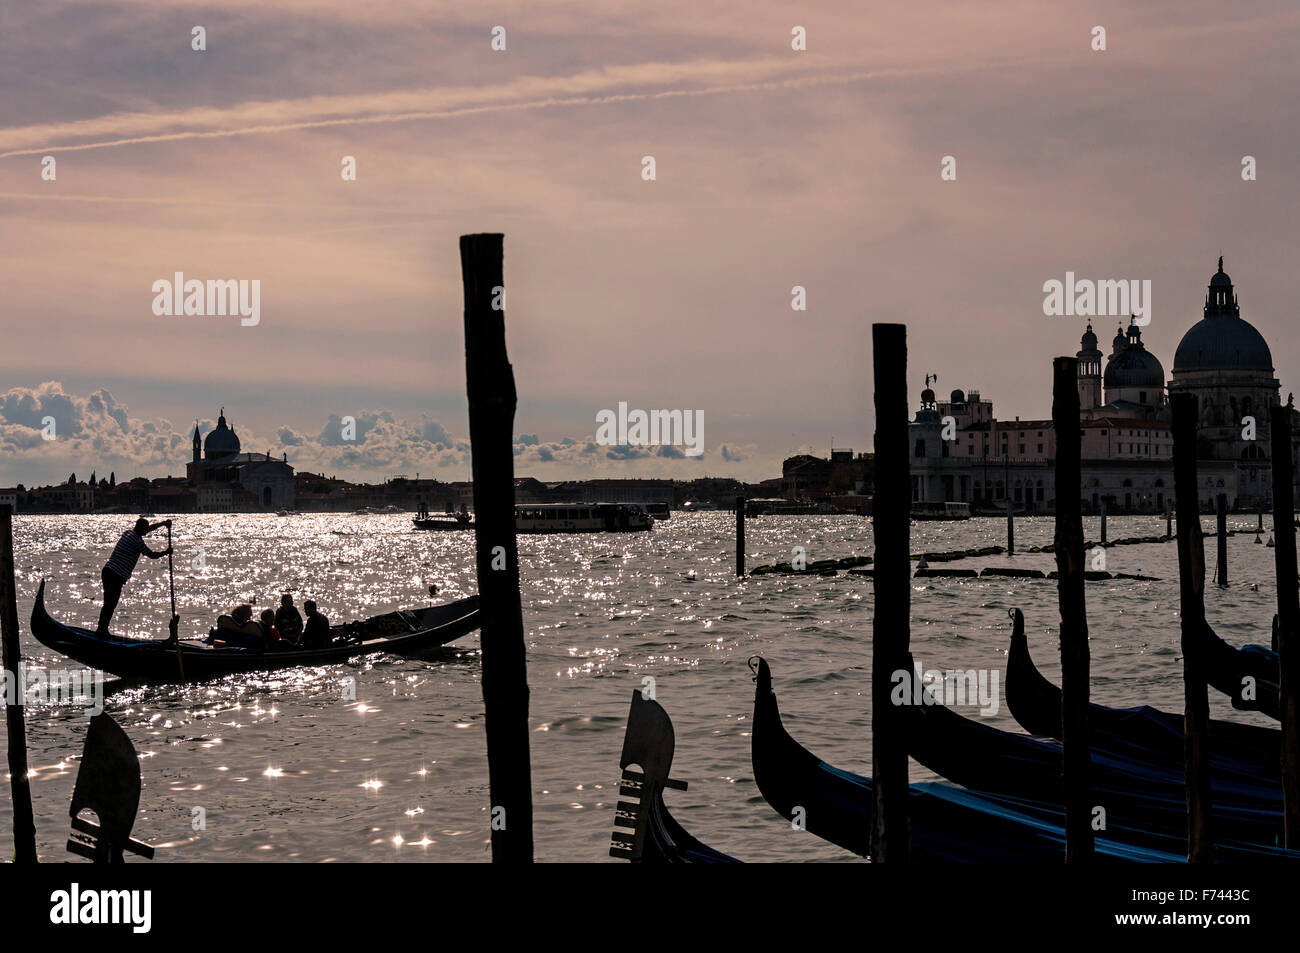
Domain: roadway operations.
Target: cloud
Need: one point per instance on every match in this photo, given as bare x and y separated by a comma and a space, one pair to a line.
91, 432
604, 86
96, 432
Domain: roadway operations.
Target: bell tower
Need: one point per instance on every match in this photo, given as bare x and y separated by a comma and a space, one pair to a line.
1089, 374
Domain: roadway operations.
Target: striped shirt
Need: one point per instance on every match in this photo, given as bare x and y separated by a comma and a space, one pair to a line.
126, 554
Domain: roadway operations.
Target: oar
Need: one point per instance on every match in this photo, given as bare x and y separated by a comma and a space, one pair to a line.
171, 575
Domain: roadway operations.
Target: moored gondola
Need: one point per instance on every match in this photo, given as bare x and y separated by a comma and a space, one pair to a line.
1136, 791
947, 823
655, 836
407, 633
1036, 704
1249, 675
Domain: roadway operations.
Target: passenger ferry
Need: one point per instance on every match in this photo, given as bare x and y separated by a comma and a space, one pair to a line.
580, 518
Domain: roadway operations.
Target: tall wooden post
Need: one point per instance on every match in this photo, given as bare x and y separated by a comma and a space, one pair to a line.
740, 536
1103, 520
1287, 627
490, 382
1169, 518
1191, 579
1075, 660
1011, 519
890, 647
1221, 535
20, 789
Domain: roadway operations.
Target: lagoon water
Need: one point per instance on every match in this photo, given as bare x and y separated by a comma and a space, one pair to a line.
281, 767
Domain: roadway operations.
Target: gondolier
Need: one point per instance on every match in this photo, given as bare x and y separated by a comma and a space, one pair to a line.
121, 564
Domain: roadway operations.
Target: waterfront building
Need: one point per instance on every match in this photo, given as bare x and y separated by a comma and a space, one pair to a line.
961, 452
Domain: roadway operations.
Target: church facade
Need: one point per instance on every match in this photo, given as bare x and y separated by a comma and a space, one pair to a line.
963, 453
227, 480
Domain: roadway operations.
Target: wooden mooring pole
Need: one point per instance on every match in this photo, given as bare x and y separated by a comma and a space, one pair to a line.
1191, 580
890, 649
1169, 519
1075, 660
20, 789
490, 383
1103, 520
740, 536
1221, 536
1287, 625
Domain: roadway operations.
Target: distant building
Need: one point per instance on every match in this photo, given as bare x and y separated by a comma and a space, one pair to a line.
962, 453
10, 496
253, 480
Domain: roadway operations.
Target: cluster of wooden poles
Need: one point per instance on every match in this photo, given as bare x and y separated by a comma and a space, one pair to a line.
891, 635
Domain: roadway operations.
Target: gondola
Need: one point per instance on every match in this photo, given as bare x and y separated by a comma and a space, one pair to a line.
409, 633
1036, 704
655, 837
947, 823
1249, 675
1137, 792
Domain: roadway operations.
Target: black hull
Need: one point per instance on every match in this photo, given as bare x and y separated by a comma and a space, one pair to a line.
947, 823
667, 842
1035, 703
1231, 670
156, 662
1139, 793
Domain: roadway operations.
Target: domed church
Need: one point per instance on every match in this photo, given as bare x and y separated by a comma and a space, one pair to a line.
1125, 418
1134, 378
230, 481
1226, 363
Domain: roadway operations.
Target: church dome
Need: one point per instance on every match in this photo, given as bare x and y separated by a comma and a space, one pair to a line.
221, 442
1221, 340
1135, 367
957, 397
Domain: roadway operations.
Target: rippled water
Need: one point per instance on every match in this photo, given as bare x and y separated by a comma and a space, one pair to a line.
286, 770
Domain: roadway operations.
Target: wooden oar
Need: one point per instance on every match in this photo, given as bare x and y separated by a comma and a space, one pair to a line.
171, 575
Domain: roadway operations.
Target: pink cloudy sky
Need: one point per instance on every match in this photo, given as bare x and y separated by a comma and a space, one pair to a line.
775, 169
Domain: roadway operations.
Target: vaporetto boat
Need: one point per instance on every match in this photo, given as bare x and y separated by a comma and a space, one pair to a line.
580, 518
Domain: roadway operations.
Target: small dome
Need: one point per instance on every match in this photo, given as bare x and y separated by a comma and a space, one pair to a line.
1119, 340
1089, 339
957, 397
1133, 365
927, 396
221, 442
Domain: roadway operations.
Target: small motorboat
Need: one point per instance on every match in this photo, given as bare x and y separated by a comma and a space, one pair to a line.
459, 521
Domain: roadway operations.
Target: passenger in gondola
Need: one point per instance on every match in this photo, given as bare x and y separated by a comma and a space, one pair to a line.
316, 633
121, 564
269, 630
287, 619
238, 629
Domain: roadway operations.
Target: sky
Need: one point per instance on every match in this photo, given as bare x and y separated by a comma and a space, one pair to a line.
774, 168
